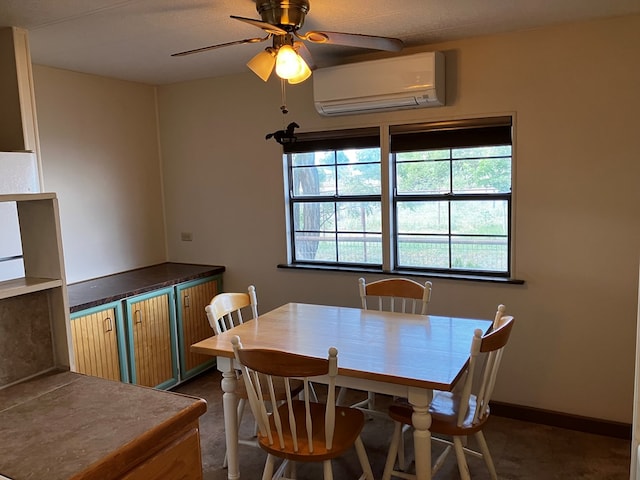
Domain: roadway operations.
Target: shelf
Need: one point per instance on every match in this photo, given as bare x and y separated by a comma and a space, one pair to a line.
22, 197
21, 286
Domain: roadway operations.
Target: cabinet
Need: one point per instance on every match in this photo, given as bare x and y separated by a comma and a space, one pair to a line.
193, 325
34, 311
144, 321
99, 342
151, 328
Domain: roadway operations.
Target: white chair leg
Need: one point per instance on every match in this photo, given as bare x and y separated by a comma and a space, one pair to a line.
371, 399
393, 451
364, 459
268, 467
462, 461
482, 443
402, 465
328, 471
341, 394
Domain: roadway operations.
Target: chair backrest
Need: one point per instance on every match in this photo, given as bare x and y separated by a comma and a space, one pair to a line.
492, 344
262, 365
395, 295
499, 314
225, 309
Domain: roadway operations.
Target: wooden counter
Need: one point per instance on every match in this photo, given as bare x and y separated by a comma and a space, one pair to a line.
70, 426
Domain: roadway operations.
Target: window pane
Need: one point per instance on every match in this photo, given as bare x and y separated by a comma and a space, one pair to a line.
315, 247
359, 217
314, 217
480, 253
485, 217
314, 181
423, 217
312, 158
423, 252
360, 155
427, 177
359, 179
360, 248
484, 175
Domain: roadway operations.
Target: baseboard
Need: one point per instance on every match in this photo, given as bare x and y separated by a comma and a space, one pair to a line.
562, 420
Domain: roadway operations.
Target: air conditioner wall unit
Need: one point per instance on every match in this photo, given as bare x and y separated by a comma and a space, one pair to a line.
410, 81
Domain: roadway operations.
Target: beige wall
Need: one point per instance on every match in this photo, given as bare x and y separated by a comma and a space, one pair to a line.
100, 154
574, 93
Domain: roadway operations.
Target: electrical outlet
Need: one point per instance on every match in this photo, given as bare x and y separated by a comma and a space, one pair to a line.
186, 236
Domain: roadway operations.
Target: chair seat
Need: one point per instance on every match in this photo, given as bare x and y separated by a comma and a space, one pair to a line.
444, 416
348, 425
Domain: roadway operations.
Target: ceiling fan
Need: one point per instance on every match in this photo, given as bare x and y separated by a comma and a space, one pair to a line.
281, 20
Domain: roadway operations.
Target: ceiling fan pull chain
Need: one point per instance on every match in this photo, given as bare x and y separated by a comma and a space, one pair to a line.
283, 107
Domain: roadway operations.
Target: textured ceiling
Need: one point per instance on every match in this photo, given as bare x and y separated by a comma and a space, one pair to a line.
133, 39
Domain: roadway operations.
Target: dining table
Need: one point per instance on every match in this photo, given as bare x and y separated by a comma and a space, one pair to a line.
398, 354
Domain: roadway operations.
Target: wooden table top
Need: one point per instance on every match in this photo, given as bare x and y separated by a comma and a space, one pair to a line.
425, 351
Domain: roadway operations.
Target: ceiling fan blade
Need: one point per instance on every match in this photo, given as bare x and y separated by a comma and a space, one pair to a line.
220, 45
304, 52
353, 40
267, 27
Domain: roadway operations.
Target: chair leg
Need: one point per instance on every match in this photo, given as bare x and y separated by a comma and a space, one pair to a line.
364, 459
341, 394
268, 467
402, 464
371, 399
393, 451
328, 471
462, 461
482, 443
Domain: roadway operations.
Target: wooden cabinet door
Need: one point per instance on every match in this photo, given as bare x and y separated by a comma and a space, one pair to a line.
151, 323
193, 325
98, 343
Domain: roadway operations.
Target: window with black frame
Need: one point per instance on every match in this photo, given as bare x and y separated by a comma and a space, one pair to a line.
334, 190
448, 198
452, 196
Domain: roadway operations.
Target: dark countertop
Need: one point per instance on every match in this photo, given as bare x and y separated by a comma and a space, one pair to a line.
98, 291
65, 424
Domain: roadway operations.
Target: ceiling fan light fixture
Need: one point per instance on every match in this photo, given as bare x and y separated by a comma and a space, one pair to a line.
288, 63
262, 64
305, 72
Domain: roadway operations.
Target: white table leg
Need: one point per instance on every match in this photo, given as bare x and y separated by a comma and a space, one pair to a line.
420, 400
230, 403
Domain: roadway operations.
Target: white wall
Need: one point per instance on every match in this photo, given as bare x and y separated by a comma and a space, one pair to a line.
100, 155
574, 93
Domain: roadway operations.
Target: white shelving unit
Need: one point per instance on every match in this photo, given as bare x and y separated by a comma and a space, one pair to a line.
39, 223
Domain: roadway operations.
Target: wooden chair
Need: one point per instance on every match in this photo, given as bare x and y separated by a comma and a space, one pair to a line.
392, 295
460, 413
395, 295
299, 430
225, 309
224, 312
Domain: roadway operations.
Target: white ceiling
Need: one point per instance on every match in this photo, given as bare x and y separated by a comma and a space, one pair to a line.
133, 39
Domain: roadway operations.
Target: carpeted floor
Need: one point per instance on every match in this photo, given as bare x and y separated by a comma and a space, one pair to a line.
521, 450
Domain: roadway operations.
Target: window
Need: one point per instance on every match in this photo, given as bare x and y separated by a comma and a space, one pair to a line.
444, 207
335, 199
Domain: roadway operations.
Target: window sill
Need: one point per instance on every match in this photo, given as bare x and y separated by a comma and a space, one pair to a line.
403, 273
